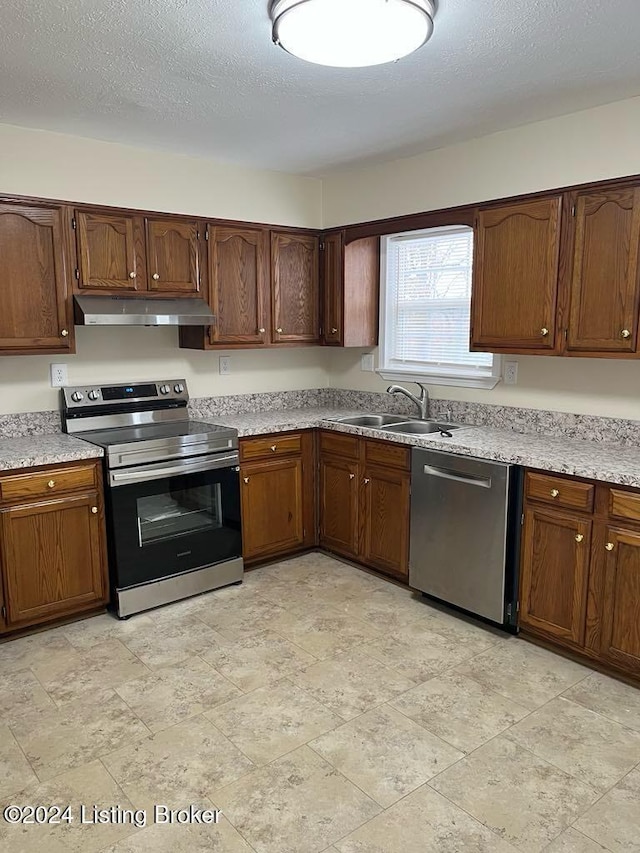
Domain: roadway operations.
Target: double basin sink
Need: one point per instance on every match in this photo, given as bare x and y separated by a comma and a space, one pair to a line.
396, 423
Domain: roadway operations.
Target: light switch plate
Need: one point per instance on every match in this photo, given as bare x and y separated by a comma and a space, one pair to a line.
367, 362
511, 373
224, 365
59, 375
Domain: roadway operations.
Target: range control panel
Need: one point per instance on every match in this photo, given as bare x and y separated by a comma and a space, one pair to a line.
95, 396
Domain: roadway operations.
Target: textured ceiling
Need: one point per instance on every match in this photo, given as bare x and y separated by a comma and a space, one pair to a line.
202, 77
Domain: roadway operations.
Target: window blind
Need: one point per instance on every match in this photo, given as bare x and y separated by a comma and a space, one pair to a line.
427, 302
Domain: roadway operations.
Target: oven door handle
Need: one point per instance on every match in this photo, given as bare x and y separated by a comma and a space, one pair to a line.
160, 471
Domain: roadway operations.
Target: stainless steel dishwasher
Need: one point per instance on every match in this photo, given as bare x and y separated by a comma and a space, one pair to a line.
465, 524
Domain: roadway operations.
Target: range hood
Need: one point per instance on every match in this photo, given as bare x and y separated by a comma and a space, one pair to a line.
138, 311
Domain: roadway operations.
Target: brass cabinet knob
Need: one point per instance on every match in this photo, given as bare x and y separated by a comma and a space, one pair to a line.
279, 331
94, 510
64, 333
246, 479
625, 333
609, 546
351, 476
132, 274
334, 331
579, 537
274, 447
367, 481
554, 493
544, 332
262, 331
156, 276
51, 483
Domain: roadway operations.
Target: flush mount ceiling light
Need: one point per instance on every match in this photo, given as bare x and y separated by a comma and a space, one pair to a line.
351, 33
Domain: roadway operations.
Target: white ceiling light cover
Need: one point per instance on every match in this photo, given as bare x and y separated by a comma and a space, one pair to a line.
352, 33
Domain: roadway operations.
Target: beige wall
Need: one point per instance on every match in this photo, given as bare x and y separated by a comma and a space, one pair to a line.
586, 146
53, 165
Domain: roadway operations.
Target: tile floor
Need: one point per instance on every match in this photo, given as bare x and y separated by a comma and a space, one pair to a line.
318, 708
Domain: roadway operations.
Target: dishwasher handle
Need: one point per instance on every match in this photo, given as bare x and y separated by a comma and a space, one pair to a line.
468, 479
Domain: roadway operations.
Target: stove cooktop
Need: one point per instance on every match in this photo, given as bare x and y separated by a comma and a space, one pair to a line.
186, 429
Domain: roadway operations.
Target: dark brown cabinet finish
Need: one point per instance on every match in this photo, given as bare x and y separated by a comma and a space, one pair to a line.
515, 276
173, 256
555, 570
605, 280
34, 280
339, 501
295, 293
620, 632
365, 501
239, 285
52, 544
350, 273
111, 254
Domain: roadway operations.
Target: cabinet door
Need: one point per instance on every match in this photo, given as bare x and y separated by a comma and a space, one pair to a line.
33, 279
605, 282
52, 557
620, 607
339, 489
554, 574
295, 288
386, 513
272, 507
173, 257
515, 276
110, 251
332, 275
239, 285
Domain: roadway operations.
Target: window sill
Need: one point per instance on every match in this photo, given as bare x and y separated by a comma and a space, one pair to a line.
485, 382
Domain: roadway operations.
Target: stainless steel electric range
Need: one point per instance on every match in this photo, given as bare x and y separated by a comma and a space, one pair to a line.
172, 491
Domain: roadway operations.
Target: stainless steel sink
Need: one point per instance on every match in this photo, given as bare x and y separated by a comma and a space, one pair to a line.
371, 420
420, 427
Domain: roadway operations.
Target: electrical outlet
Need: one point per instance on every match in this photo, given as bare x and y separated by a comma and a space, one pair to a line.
511, 373
59, 375
366, 362
224, 365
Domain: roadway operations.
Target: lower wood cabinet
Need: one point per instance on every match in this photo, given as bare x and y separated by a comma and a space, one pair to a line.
580, 569
277, 494
52, 550
365, 498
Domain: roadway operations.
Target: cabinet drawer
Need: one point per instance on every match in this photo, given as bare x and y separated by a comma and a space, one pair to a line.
44, 484
624, 505
339, 444
270, 446
559, 491
387, 453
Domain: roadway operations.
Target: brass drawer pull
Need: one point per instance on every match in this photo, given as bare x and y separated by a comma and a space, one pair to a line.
334, 331
544, 331
246, 479
262, 331
156, 276
351, 476
51, 483
367, 481
274, 447
279, 331
625, 333
132, 274
64, 333
579, 537
554, 493
609, 546
94, 510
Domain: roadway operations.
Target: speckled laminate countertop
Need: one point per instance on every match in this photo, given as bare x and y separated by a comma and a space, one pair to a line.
613, 463
31, 450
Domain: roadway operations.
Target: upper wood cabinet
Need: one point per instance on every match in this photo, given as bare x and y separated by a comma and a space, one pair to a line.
34, 280
111, 253
295, 293
239, 285
173, 257
515, 276
350, 279
605, 280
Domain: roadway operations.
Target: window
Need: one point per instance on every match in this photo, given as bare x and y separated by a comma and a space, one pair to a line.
425, 310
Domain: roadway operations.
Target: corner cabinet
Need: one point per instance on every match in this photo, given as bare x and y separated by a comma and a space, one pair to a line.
35, 313
295, 288
350, 283
580, 569
515, 277
52, 544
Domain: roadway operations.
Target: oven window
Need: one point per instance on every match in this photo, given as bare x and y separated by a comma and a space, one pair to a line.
179, 512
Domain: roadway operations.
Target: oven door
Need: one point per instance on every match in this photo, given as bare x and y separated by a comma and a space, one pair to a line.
171, 517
